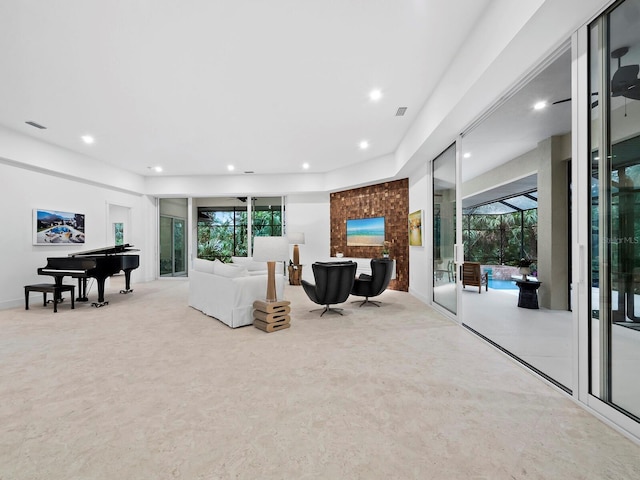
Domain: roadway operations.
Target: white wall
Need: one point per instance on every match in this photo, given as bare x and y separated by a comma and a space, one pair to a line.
310, 214
420, 258
22, 191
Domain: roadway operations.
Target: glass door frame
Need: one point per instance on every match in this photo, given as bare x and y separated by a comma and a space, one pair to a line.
581, 227
457, 247
174, 273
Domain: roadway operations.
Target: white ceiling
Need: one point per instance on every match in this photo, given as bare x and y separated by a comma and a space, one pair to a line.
195, 85
516, 127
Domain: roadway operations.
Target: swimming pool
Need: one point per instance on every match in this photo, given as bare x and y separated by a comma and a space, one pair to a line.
502, 284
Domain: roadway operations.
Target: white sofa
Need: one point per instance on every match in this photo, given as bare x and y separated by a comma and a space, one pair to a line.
227, 291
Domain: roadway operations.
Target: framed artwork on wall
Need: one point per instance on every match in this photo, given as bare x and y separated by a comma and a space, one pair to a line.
415, 229
52, 227
118, 233
365, 232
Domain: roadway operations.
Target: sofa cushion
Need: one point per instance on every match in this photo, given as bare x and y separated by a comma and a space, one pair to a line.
229, 270
249, 263
202, 265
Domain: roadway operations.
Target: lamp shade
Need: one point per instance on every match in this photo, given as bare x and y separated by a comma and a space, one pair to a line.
270, 249
296, 238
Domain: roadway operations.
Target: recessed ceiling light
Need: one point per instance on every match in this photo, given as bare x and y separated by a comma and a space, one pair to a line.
88, 139
230, 168
305, 166
466, 155
158, 168
375, 95
540, 105
364, 145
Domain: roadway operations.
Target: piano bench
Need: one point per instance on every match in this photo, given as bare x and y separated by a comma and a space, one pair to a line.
49, 288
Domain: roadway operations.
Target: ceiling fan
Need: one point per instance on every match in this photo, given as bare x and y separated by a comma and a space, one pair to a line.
625, 81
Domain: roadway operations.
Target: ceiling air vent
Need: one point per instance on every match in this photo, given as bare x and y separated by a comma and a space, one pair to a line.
249, 171
37, 125
401, 111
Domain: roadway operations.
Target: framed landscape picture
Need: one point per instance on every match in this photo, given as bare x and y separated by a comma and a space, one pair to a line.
415, 229
52, 227
365, 232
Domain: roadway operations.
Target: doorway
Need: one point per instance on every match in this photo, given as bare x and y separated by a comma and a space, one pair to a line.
173, 237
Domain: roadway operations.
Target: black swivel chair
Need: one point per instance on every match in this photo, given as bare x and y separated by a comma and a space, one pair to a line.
376, 283
334, 281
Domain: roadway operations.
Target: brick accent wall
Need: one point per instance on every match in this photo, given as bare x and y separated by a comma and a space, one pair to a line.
389, 200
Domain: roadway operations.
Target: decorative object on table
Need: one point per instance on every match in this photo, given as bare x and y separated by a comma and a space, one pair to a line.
295, 273
365, 232
415, 229
296, 238
373, 285
339, 254
52, 227
334, 281
386, 249
525, 267
271, 316
271, 250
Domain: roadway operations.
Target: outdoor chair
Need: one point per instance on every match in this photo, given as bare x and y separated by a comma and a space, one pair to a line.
472, 276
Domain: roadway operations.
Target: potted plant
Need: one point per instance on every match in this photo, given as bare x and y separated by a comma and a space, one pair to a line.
385, 249
525, 267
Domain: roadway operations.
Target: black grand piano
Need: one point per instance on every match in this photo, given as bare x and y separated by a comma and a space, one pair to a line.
99, 264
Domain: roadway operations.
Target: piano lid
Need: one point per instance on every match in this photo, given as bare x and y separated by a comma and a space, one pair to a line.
114, 250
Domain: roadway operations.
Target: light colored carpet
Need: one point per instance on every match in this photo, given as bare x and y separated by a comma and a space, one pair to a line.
148, 388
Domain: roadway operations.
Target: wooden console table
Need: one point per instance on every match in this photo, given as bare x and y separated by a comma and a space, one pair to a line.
271, 316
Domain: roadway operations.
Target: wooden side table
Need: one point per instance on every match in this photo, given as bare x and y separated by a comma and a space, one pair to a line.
271, 316
295, 274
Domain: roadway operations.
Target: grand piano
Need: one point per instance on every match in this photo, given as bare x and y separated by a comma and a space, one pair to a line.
99, 264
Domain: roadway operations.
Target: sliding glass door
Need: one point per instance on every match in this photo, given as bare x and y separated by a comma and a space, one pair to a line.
615, 207
173, 237
444, 230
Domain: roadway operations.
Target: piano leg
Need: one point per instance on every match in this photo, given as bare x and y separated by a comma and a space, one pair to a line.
127, 282
100, 302
82, 290
57, 298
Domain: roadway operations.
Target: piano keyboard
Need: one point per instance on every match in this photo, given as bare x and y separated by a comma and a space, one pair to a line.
61, 271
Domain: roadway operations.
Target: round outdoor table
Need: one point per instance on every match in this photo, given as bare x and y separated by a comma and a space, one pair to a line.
528, 297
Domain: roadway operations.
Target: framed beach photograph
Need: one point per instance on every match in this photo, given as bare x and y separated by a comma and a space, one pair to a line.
415, 229
365, 232
52, 227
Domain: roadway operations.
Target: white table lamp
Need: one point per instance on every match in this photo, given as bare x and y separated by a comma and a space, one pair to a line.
271, 250
296, 238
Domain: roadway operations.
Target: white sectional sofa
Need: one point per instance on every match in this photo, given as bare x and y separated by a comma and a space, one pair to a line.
227, 291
